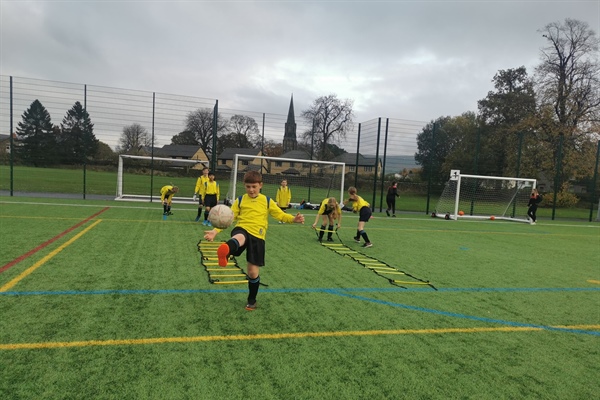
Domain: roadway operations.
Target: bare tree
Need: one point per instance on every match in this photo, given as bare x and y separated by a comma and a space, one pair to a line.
200, 123
568, 77
244, 130
133, 138
568, 91
332, 120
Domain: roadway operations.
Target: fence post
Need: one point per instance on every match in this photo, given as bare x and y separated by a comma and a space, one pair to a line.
387, 124
431, 151
376, 163
557, 175
152, 148
518, 168
592, 200
10, 140
84, 147
213, 161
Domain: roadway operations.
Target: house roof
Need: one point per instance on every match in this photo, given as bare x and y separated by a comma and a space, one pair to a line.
230, 152
179, 150
350, 159
291, 171
297, 154
4, 137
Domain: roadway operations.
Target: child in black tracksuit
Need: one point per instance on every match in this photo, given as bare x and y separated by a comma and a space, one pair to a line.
390, 198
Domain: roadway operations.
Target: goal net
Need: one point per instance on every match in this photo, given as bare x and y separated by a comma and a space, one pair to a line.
309, 181
140, 178
475, 196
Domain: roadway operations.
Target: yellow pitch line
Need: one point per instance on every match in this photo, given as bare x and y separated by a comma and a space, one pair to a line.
267, 336
38, 264
593, 281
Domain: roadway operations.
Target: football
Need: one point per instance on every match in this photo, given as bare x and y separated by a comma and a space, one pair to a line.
461, 213
220, 216
492, 218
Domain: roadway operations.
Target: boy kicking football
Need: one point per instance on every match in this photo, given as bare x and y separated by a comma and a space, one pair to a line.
251, 212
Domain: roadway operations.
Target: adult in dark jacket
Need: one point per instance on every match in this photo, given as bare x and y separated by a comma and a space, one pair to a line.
390, 198
534, 200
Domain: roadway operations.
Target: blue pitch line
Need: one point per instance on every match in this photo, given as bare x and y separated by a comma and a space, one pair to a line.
464, 316
297, 290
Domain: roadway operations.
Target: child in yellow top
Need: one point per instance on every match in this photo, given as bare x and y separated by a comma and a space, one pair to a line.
363, 209
198, 191
166, 198
210, 196
284, 195
330, 211
252, 214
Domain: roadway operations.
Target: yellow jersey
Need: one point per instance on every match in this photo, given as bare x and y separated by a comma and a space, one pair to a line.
359, 203
210, 188
252, 214
324, 208
165, 192
200, 184
284, 196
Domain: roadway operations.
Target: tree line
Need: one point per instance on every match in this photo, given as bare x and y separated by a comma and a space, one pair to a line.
528, 126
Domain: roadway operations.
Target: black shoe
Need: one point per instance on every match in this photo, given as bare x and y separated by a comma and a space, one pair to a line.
394, 215
357, 239
169, 213
387, 212
330, 239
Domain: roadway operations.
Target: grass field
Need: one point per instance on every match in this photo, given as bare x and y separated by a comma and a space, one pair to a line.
105, 300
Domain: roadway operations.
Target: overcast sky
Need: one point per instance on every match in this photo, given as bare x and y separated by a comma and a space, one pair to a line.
413, 60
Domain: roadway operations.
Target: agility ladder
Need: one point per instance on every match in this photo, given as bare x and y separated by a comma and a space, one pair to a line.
229, 274
380, 268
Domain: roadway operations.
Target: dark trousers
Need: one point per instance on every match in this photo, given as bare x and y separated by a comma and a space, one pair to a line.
531, 212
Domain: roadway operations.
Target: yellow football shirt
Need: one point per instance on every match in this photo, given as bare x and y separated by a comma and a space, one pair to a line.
252, 214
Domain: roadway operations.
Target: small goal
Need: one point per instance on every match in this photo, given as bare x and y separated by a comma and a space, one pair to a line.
484, 197
140, 178
310, 181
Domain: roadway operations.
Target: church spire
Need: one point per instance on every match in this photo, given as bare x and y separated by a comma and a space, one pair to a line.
289, 137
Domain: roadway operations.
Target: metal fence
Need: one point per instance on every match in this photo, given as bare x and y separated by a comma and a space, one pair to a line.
391, 141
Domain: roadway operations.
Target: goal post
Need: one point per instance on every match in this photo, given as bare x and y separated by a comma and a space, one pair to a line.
310, 181
484, 197
139, 178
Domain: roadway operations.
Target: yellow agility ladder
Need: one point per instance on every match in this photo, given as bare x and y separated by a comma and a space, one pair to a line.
380, 268
231, 274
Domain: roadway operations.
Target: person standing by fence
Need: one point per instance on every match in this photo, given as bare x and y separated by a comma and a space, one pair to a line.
390, 198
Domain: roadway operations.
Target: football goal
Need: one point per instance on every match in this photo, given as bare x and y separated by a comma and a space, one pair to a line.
484, 197
140, 178
309, 181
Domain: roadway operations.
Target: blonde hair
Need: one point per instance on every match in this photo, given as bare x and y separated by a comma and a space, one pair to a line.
332, 202
352, 190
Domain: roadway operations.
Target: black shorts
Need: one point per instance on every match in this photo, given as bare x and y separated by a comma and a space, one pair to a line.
254, 247
364, 214
210, 200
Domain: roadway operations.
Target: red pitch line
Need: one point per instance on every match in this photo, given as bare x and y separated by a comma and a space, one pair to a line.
41, 246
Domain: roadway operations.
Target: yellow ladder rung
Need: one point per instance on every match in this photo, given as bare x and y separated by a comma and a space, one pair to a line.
392, 273
213, 264
411, 283
223, 269
226, 275
229, 282
383, 269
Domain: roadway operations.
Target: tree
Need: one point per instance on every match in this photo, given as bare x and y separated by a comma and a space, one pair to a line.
104, 153
76, 139
332, 120
272, 148
568, 89
505, 113
185, 137
433, 148
244, 131
133, 139
37, 137
200, 123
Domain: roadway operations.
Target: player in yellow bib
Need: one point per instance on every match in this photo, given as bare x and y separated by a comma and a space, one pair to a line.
210, 196
330, 211
166, 198
252, 214
198, 191
363, 208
